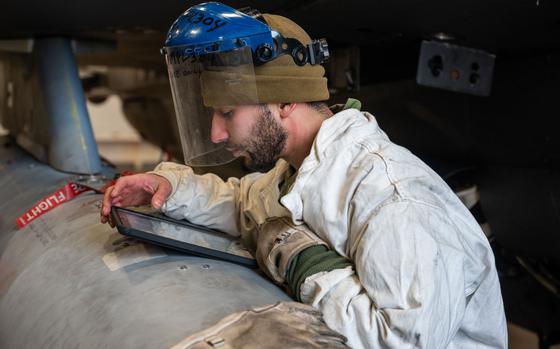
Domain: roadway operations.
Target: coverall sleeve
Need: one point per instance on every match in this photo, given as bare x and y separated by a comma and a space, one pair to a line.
402, 291
204, 199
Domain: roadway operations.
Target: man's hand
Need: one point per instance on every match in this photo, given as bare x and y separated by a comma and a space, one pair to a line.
139, 189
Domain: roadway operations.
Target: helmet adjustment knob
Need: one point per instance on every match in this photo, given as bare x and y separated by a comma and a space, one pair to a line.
299, 54
264, 53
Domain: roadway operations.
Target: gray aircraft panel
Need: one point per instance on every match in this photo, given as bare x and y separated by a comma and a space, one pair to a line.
67, 281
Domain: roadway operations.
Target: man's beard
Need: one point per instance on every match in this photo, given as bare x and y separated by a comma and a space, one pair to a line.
266, 142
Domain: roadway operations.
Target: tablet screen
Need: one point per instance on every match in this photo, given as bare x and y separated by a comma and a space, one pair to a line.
182, 236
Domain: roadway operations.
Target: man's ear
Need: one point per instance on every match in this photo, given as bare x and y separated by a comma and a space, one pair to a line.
286, 109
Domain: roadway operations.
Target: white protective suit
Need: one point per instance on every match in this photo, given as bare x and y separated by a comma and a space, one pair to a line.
423, 273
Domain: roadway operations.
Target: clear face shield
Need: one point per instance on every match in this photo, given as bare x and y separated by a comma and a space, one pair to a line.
199, 84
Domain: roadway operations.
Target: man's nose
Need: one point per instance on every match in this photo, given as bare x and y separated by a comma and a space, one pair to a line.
219, 132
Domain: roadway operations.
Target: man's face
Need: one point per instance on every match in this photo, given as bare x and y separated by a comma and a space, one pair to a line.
251, 132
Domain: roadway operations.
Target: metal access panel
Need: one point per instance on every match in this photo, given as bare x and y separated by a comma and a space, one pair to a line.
455, 68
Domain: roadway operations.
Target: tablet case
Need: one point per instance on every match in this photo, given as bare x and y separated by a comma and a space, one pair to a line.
235, 252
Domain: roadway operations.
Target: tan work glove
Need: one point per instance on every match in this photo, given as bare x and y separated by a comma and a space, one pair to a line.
280, 325
278, 241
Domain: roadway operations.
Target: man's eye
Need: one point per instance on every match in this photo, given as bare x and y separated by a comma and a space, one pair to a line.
227, 114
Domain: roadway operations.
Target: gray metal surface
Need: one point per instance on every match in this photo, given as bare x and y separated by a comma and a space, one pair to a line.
66, 281
455, 68
72, 147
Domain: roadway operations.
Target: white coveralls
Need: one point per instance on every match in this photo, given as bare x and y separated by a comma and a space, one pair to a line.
423, 273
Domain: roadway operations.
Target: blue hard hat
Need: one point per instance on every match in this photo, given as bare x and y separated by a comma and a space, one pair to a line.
214, 27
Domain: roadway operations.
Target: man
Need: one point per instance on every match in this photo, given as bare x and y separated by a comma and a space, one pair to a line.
349, 222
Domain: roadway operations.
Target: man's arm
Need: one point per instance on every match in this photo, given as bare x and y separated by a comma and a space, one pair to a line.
381, 300
405, 289
204, 199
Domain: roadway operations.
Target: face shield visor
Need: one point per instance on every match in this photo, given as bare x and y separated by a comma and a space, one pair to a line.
201, 83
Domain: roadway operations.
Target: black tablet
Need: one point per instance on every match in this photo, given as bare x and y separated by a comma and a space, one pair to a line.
180, 235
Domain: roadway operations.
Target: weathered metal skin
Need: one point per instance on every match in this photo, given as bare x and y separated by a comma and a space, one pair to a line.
67, 281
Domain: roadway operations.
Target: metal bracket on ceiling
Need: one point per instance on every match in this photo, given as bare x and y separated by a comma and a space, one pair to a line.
455, 68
